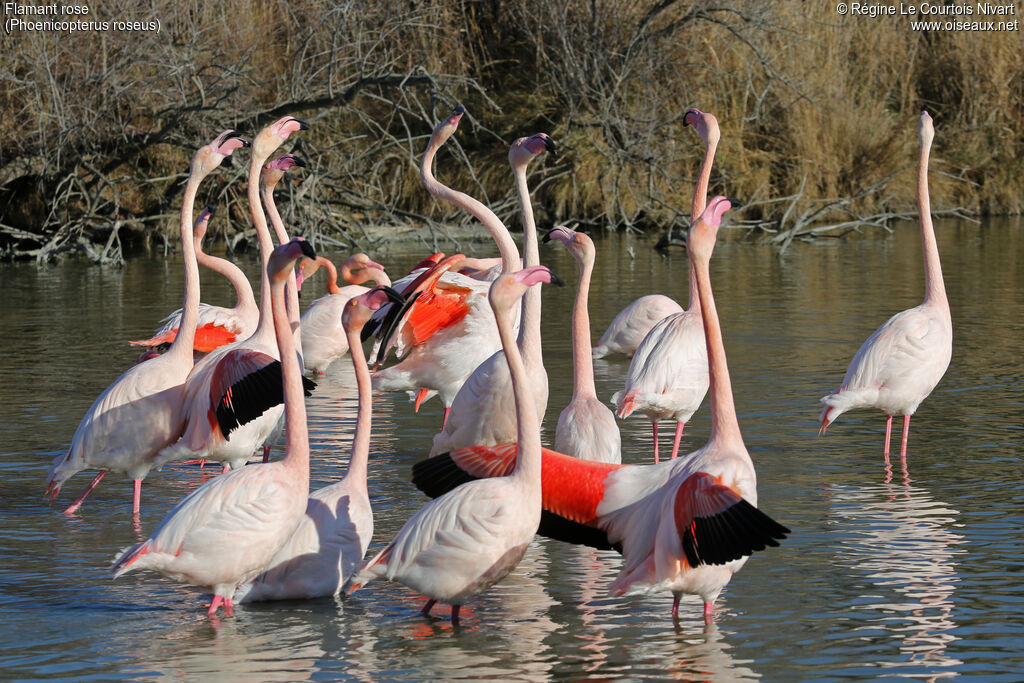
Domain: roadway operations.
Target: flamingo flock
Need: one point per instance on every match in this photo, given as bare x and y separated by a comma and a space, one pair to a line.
231, 381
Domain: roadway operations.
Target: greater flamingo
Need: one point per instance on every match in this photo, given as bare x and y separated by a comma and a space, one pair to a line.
472, 537
141, 411
227, 530
217, 325
232, 396
685, 525
443, 361
630, 325
328, 545
586, 427
668, 376
902, 361
323, 338
483, 411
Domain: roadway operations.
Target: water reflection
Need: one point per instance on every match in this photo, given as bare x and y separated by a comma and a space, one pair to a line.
902, 539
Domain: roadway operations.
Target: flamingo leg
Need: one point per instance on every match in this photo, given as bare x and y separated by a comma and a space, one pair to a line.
708, 609
225, 468
888, 433
654, 423
266, 454
905, 436
455, 615
77, 503
214, 605
445, 420
229, 607
427, 607
675, 441
675, 607
136, 495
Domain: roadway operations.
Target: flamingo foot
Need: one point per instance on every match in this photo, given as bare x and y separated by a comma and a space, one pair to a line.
427, 607
824, 426
77, 503
678, 436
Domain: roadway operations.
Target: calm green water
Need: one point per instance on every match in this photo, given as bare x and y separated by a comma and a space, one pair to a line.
889, 573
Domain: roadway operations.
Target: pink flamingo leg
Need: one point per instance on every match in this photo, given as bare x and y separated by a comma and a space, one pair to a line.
675, 607
445, 420
136, 495
455, 615
906, 435
266, 454
708, 609
77, 503
888, 433
229, 607
675, 441
214, 605
427, 607
654, 423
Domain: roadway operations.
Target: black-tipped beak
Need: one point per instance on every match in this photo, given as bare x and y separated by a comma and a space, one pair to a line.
210, 209
736, 203
307, 249
555, 280
549, 145
459, 109
547, 235
302, 125
299, 162
235, 134
393, 294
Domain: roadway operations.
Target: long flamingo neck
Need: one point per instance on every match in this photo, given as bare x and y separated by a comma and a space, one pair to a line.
297, 455
694, 303
529, 326
528, 462
582, 353
700, 190
244, 296
357, 465
332, 275
259, 221
934, 287
498, 231
291, 289
182, 344
724, 425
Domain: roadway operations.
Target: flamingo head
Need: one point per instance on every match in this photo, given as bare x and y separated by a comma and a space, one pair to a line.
525, 149
358, 268
273, 171
359, 308
209, 157
926, 130
704, 231
307, 267
706, 125
271, 137
447, 127
201, 223
510, 287
284, 256
579, 244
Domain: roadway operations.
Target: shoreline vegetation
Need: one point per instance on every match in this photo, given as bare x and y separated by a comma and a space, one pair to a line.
817, 112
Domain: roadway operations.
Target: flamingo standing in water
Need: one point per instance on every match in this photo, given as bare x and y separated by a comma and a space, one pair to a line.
630, 325
141, 411
685, 525
217, 325
443, 360
902, 361
469, 539
483, 411
323, 337
232, 403
668, 376
586, 428
227, 530
328, 545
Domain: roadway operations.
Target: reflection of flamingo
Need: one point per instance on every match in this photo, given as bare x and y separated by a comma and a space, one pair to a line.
216, 325
323, 338
470, 538
227, 415
685, 525
668, 376
141, 412
630, 325
226, 531
327, 546
442, 361
483, 412
586, 428
902, 361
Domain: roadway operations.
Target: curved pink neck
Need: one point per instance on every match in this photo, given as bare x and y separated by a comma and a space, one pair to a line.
725, 427
186, 336
365, 275
697, 206
529, 325
244, 297
582, 353
934, 287
528, 460
498, 231
332, 274
259, 221
291, 289
297, 455
357, 465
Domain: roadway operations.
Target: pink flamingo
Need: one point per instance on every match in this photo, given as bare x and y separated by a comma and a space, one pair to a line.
270, 175
668, 376
483, 411
684, 525
586, 428
141, 411
469, 539
232, 406
217, 325
630, 325
323, 338
328, 545
227, 530
902, 361
442, 361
